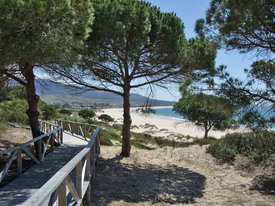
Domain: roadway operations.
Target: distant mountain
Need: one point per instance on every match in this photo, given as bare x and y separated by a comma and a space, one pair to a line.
56, 92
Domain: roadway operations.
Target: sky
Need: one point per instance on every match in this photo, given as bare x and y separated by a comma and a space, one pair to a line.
189, 11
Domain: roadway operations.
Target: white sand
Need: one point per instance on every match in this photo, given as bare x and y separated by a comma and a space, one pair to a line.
171, 128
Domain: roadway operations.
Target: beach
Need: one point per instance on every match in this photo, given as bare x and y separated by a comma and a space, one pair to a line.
167, 127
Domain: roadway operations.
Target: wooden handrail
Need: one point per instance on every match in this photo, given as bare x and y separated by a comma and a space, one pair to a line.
55, 189
76, 128
16, 152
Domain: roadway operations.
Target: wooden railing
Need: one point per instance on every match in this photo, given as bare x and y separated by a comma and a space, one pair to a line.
83, 129
75, 175
53, 136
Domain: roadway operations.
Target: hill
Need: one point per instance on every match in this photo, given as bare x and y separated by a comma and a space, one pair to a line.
60, 93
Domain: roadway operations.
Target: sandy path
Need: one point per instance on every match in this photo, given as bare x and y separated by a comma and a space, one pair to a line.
167, 176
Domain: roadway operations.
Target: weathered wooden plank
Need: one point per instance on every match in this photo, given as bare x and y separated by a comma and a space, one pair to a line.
87, 196
88, 167
72, 189
31, 155
45, 148
19, 163
79, 178
39, 149
62, 196
7, 166
28, 143
50, 187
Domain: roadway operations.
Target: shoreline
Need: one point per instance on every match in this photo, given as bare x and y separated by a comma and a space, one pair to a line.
163, 126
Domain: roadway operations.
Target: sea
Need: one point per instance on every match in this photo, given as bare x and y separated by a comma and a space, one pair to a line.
167, 112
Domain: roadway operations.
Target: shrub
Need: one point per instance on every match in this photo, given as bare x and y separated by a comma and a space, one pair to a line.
117, 127
3, 128
106, 137
222, 151
86, 114
14, 111
105, 140
65, 111
106, 118
258, 147
48, 112
141, 146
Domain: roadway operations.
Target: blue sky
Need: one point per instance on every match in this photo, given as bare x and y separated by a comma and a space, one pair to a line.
189, 11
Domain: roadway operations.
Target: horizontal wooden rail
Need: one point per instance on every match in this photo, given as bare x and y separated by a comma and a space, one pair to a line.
53, 134
82, 129
75, 175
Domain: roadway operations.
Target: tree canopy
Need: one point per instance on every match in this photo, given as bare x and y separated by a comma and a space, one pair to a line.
209, 111
246, 25
37, 33
134, 44
86, 114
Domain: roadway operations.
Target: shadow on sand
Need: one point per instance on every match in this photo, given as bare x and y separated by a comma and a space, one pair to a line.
117, 181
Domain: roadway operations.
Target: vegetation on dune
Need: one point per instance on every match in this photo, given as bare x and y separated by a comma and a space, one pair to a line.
86, 114
208, 111
258, 147
106, 118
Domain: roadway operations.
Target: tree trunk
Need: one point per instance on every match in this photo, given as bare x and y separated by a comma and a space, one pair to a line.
205, 133
32, 99
127, 121
206, 130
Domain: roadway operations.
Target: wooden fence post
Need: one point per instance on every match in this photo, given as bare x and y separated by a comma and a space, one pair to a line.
19, 163
79, 178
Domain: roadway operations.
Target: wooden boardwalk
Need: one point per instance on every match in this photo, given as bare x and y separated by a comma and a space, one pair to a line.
21, 189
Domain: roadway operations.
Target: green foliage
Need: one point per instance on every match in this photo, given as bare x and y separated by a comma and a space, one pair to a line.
259, 147
221, 151
65, 111
49, 112
12, 92
55, 28
141, 146
106, 118
14, 111
246, 25
107, 136
3, 128
105, 140
86, 114
117, 127
73, 119
205, 110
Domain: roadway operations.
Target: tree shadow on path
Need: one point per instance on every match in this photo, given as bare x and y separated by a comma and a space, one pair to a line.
117, 181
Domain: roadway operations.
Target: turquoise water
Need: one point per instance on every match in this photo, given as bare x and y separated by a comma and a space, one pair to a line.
167, 112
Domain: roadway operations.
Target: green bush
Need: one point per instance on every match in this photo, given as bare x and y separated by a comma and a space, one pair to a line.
65, 111
258, 147
222, 151
141, 146
106, 118
117, 127
3, 128
107, 135
105, 140
14, 111
204, 141
86, 114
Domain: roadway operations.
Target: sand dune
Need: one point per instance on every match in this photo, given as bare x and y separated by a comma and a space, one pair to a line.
164, 126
